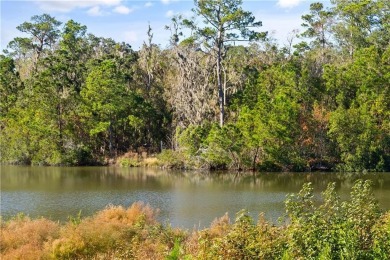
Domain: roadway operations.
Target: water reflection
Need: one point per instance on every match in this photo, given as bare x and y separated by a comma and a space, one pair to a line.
186, 199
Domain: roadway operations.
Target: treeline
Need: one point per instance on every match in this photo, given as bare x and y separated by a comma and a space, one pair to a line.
353, 229
69, 97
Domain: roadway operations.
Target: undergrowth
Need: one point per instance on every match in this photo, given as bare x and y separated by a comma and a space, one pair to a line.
335, 229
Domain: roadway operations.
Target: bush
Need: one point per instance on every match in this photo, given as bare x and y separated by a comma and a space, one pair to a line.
23, 238
332, 230
354, 229
116, 232
223, 147
128, 162
80, 155
381, 237
192, 139
171, 159
149, 162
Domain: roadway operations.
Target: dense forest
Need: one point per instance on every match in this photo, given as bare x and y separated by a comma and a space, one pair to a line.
223, 94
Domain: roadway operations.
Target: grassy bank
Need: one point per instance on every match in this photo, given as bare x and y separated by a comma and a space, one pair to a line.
354, 229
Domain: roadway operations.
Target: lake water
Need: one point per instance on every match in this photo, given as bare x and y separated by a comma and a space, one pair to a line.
185, 199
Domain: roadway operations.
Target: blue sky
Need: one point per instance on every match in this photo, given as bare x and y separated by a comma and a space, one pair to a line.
127, 20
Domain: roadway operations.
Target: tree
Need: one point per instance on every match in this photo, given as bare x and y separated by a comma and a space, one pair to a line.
10, 85
271, 126
105, 97
361, 23
318, 26
73, 53
224, 21
31, 132
360, 123
148, 59
43, 30
191, 91
381, 35
152, 66
61, 75
21, 46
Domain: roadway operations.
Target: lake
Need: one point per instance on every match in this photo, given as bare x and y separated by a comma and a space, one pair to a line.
185, 199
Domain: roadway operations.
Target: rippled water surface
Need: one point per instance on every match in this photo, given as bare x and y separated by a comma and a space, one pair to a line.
185, 199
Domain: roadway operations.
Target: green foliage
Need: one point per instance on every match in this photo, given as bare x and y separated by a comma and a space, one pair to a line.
75, 220
175, 253
192, 139
212, 146
360, 123
30, 136
223, 147
69, 97
171, 159
224, 21
272, 124
10, 85
381, 237
104, 90
128, 162
43, 31
317, 25
361, 24
228, 17
335, 229
237, 243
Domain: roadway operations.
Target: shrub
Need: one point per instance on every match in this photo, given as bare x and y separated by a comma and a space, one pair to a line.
171, 159
354, 229
238, 243
333, 229
241, 240
223, 147
192, 139
104, 232
381, 237
149, 162
23, 238
128, 162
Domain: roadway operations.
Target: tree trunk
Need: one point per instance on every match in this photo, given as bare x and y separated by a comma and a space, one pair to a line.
221, 93
110, 146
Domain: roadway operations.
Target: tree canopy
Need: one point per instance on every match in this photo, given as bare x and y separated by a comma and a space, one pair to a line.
224, 96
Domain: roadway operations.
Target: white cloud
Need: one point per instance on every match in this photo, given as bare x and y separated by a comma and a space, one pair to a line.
95, 11
121, 9
149, 4
289, 3
167, 2
170, 14
68, 5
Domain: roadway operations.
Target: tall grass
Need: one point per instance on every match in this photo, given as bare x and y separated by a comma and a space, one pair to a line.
23, 238
353, 229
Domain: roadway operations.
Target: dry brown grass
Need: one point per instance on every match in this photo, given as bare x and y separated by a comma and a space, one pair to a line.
220, 226
118, 215
23, 238
198, 242
150, 162
134, 233
114, 230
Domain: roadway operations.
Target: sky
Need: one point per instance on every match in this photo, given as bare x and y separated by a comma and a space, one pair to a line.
128, 20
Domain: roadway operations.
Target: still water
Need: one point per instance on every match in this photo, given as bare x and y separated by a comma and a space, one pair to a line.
185, 199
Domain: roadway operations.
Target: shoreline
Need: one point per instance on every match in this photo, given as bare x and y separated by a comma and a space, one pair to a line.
356, 228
